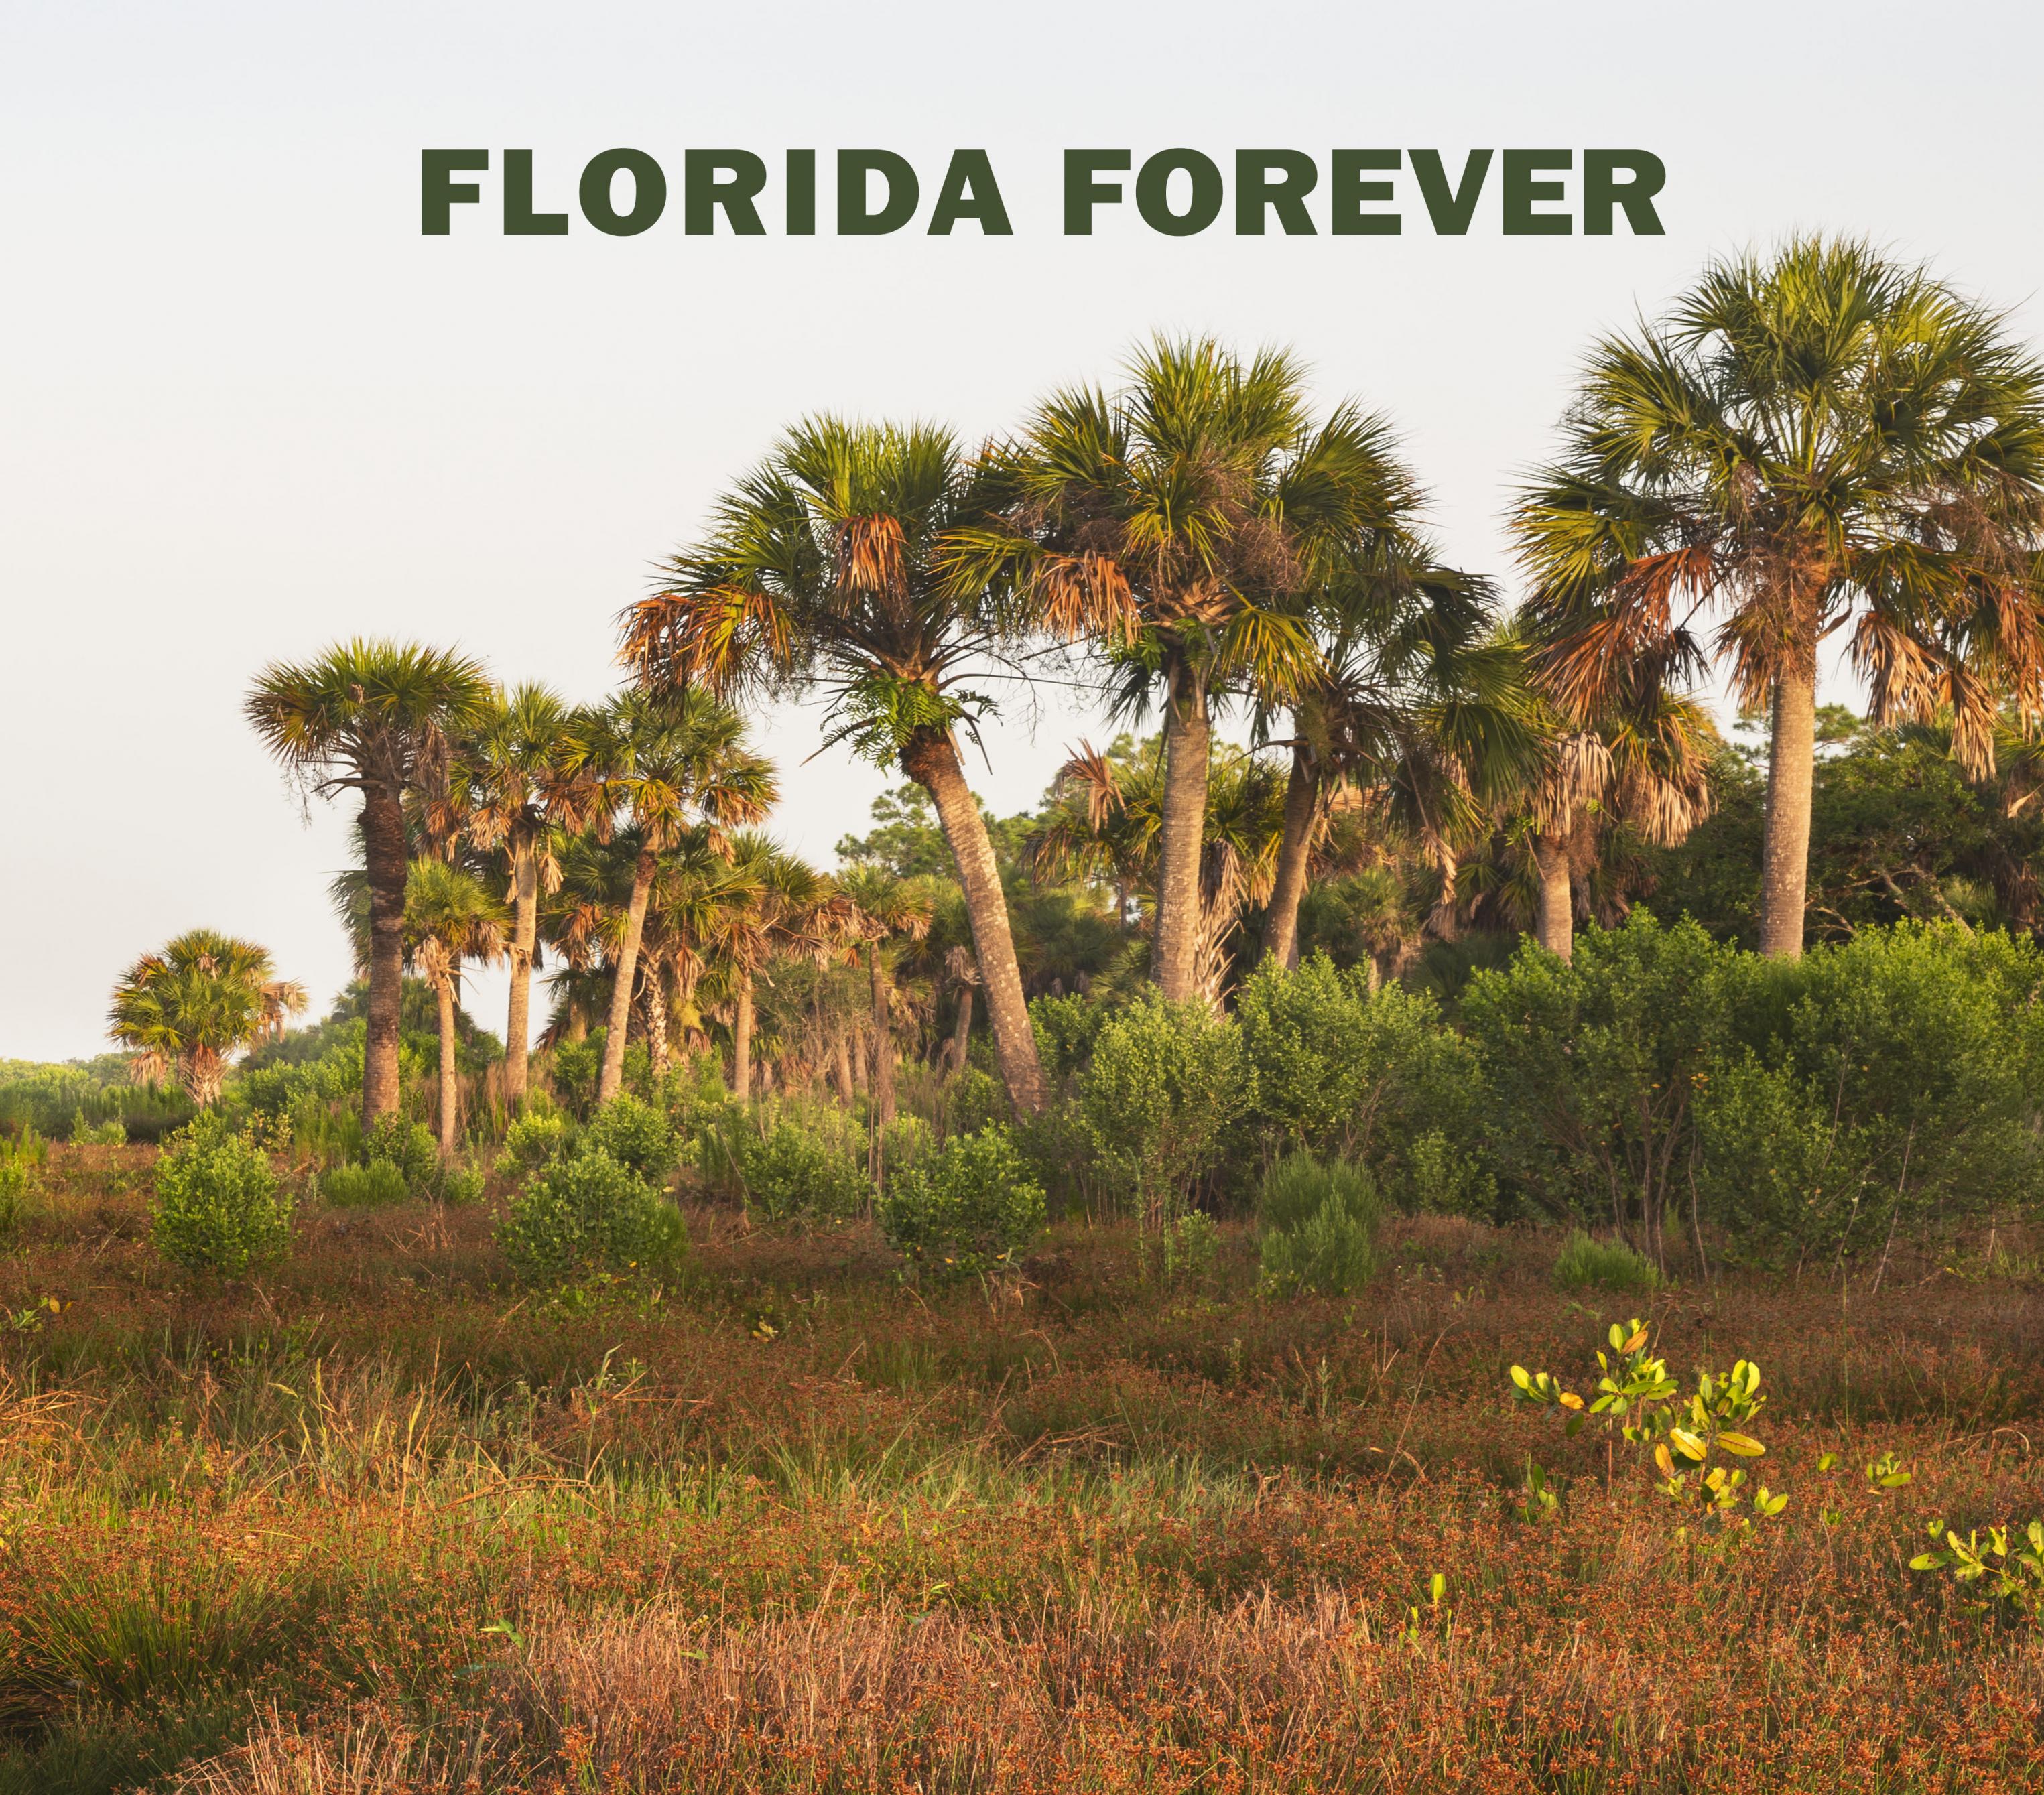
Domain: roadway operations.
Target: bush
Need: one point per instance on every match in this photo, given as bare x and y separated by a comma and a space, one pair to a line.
1166, 1082
219, 1206
796, 1169
537, 1138
586, 1214
1319, 1221
111, 1133
364, 1186
1066, 1029
966, 1208
409, 1146
461, 1185
635, 1134
1586, 1264
14, 1192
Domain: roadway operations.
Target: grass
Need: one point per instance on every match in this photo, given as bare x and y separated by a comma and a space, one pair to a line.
377, 1521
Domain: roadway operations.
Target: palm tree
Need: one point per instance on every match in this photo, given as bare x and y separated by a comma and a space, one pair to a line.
203, 997
1645, 764
372, 717
1417, 698
888, 909
1816, 440
828, 569
668, 763
1172, 525
514, 790
450, 918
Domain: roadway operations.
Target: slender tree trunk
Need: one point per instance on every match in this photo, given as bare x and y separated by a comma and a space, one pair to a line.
1302, 797
385, 857
1558, 908
1792, 767
883, 1040
847, 1088
628, 966
656, 1018
1188, 744
741, 1040
932, 760
524, 936
450, 1085
961, 1035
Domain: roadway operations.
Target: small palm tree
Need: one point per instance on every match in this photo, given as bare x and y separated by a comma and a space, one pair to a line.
450, 919
1816, 441
666, 763
1174, 525
888, 910
194, 1005
828, 569
374, 717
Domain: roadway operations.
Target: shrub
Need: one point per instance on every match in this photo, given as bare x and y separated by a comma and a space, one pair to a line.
635, 1134
1588, 1264
585, 1214
1185, 1249
797, 1169
1066, 1029
364, 1187
576, 1069
1166, 1082
219, 1206
111, 1133
973, 1098
1319, 1221
966, 1208
13, 1191
537, 1138
409, 1146
461, 1185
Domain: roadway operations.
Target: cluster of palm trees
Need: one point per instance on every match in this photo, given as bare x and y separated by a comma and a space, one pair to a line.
1814, 441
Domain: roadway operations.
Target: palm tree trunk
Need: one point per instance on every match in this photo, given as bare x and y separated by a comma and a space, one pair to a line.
1791, 766
1281, 933
524, 936
741, 1039
883, 1040
628, 966
384, 859
202, 1072
656, 1018
846, 1086
962, 1035
932, 760
1188, 743
450, 1091
1557, 910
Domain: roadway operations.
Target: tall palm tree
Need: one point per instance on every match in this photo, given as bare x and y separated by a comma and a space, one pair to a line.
374, 717
1418, 698
1172, 524
1809, 441
514, 789
201, 999
826, 570
450, 919
667, 763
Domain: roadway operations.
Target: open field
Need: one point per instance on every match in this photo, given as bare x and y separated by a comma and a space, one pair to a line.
376, 1520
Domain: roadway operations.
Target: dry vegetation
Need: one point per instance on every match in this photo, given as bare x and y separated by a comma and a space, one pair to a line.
376, 1522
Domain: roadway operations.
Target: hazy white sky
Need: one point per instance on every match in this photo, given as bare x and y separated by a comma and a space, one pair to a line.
245, 407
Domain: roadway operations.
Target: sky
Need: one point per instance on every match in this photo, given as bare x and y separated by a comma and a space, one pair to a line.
246, 408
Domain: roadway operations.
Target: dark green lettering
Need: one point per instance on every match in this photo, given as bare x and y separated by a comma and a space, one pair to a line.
438, 195
1152, 189
1347, 192
649, 193
1267, 179
1522, 193
1450, 207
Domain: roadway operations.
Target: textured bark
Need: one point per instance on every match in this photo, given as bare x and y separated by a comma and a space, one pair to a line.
524, 936
656, 1018
1557, 908
932, 761
384, 859
1302, 796
961, 1035
450, 1085
628, 968
883, 1040
847, 1088
741, 1039
1784, 848
1187, 742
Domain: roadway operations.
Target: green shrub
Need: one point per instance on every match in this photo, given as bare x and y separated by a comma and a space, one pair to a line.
219, 1206
1166, 1082
966, 1208
1184, 1250
461, 1185
586, 1214
408, 1145
111, 1133
537, 1138
1319, 1219
364, 1186
1066, 1029
973, 1098
1589, 1263
795, 1168
576, 1069
13, 1193
635, 1134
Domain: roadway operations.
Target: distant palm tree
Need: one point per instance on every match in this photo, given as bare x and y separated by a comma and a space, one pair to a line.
374, 718
888, 909
827, 569
1809, 441
514, 788
1174, 525
450, 918
201, 999
666, 764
